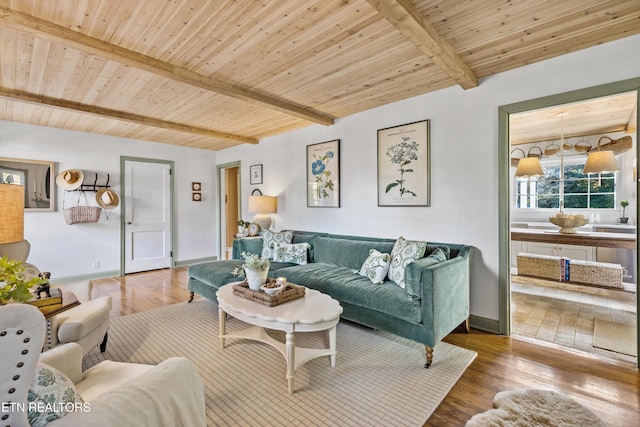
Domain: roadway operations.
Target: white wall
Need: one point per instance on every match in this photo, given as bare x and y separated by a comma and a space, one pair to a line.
464, 160
69, 250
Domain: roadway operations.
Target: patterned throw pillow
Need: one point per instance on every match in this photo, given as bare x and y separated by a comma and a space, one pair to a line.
269, 239
376, 266
51, 396
404, 252
286, 252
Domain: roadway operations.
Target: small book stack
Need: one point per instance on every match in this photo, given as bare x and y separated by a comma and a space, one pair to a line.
565, 269
55, 298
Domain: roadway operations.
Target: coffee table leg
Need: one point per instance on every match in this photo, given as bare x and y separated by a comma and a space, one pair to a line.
332, 345
291, 359
222, 319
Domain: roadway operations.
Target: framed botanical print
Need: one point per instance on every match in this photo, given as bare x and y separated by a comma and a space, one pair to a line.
255, 174
323, 174
403, 165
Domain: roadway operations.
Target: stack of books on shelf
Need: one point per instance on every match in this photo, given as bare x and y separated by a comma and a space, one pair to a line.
55, 298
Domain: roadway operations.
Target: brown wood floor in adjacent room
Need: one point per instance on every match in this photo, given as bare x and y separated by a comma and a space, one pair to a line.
609, 388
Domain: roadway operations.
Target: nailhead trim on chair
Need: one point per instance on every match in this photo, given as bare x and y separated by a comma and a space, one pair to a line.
19, 365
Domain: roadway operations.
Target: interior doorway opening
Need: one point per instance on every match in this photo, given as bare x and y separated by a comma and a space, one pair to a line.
596, 314
230, 206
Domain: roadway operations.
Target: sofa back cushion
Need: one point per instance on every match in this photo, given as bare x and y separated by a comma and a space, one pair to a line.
345, 252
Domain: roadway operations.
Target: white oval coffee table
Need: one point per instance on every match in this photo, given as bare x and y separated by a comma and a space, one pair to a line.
313, 312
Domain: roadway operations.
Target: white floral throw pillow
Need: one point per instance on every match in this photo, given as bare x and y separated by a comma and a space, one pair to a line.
51, 396
404, 251
376, 266
269, 239
286, 252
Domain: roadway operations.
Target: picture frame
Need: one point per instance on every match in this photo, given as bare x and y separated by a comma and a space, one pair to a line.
323, 174
196, 196
196, 186
404, 157
255, 174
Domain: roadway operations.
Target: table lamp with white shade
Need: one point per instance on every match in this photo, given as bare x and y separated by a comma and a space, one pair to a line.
263, 207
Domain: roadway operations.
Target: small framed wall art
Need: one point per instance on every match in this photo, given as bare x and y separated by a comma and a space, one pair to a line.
255, 174
404, 165
323, 174
196, 186
196, 197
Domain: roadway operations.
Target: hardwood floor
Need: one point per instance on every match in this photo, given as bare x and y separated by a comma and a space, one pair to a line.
611, 389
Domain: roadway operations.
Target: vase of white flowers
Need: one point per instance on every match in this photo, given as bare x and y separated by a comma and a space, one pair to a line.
255, 269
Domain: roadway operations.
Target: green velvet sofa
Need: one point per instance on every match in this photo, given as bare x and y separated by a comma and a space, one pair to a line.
434, 302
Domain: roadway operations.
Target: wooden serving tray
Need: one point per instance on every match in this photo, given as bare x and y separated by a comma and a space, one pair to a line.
289, 293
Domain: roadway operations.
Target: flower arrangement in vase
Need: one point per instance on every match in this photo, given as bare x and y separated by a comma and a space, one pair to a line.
255, 269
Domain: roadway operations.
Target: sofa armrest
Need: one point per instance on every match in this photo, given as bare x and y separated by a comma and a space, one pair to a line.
446, 294
252, 245
66, 358
171, 393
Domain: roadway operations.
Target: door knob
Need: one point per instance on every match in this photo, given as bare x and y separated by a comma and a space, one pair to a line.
128, 222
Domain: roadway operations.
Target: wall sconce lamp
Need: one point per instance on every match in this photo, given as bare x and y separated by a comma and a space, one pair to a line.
263, 206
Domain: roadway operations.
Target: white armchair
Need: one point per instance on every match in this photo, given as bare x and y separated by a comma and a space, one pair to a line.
86, 324
115, 394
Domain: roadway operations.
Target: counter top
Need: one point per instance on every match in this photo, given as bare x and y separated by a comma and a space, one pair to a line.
581, 238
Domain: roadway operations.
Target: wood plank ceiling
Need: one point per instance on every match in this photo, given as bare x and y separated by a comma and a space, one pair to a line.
213, 74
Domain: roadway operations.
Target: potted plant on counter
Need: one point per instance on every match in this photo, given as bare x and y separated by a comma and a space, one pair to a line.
255, 269
624, 219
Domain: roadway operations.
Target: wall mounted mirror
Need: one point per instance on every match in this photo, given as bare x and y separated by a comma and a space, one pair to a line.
38, 178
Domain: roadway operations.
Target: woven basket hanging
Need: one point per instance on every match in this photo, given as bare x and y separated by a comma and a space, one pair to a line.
515, 160
618, 146
81, 213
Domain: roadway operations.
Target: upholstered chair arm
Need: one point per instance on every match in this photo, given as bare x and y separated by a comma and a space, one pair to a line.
169, 394
66, 358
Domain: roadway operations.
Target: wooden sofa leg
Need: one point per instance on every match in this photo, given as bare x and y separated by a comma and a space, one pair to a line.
429, 352
191, 295
103, 344
465, 324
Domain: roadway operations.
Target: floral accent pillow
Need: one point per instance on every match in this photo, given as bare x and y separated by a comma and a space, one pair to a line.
404, 251
269, 239
376, 266
286, 252
51, 396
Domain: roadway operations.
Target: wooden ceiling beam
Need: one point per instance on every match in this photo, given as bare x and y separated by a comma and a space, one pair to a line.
51, 31
407, 19
119, 115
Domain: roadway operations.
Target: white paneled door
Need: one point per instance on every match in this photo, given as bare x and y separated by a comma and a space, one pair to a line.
147, 216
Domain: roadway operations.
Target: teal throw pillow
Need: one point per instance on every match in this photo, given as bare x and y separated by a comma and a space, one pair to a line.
269, 239
295, 253
404, 251
376, 266
51, 396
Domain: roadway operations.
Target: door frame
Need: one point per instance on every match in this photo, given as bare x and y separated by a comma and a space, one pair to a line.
221, 205
123, 202
504, 180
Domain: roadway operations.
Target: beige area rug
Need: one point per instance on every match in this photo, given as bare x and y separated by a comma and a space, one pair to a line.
616, 337
535, 408
379, 379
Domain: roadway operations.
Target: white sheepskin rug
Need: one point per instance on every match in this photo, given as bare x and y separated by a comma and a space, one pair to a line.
535, 408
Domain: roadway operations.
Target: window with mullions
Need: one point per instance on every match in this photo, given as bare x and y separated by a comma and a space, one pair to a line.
581, 191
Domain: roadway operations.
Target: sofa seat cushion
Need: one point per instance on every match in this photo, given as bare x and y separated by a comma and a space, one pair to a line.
219, 273
347, 286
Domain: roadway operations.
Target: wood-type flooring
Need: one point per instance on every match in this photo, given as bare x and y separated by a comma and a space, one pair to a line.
610, 388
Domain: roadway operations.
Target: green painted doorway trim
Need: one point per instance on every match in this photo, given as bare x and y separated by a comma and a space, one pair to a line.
504, 208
